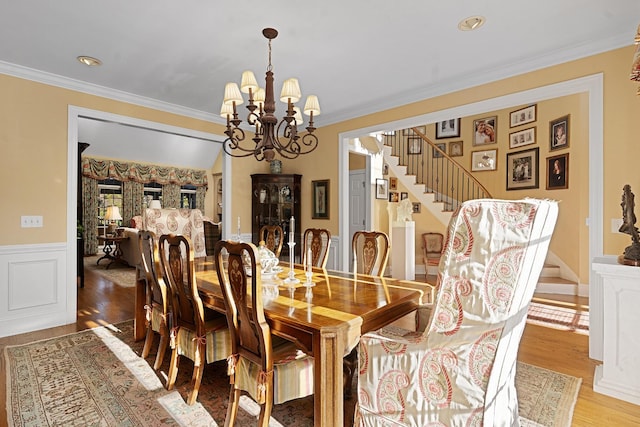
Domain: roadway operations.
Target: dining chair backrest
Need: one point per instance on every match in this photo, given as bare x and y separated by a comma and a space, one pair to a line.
176, 254
318, 240
370, 252
273, 237
158, 302
156, 286
250, 333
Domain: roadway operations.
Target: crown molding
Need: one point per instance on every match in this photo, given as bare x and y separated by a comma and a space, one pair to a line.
105, 92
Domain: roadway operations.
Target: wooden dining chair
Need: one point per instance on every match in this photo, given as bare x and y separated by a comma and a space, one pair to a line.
273, 237
270, 369
319, 241
370, 251
202, 336
432, 245
158, 297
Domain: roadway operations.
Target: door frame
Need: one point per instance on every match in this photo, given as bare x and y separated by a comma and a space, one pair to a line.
74, 113
592, 85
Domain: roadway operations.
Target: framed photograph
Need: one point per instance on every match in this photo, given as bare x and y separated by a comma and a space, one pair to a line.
414, 145
484, 130
448, 129
559, 133
417, 207
410, 132
455, 149
486, 160
404, 195
522, 137
558, 172
522, 169
382, 188
393, 183
522, 116
385, 169
393, 196
320, 191
442, 146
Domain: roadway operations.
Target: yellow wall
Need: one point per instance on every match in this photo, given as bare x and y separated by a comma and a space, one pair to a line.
33, 137
33, 165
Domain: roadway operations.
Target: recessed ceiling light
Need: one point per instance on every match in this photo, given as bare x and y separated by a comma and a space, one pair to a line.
89, 61
471, 23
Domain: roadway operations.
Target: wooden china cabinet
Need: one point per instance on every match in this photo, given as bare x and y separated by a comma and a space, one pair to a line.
275, 198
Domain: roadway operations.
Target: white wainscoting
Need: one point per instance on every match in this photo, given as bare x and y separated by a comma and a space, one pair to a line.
35, 292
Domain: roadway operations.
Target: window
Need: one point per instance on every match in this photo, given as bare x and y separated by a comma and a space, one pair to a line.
110, 195
188, 196
152, 191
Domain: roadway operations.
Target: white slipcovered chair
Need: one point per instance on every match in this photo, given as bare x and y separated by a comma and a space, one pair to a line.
461, 370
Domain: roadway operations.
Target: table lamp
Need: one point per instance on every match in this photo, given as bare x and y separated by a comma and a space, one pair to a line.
112, 215
155, 204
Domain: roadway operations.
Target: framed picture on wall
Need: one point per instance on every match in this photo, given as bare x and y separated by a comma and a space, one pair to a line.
393, 183
320, 192
442, 148
393, 196
404, 195
522, 138
382, 189
484, 130
417, 207
559, 133
486, 160
558, 172
455, 149
522, 169
522, 116
414, 145
448, 129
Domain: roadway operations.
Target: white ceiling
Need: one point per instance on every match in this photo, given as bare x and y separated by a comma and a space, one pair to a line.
358, 56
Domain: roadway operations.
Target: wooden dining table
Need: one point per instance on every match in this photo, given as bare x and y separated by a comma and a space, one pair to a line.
326, 319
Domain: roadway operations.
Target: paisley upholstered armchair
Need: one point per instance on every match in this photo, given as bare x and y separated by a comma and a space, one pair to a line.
461, 369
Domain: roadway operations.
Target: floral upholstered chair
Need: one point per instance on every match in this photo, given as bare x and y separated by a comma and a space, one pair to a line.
461, 370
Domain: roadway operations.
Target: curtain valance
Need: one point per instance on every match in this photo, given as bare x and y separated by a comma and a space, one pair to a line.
126, 171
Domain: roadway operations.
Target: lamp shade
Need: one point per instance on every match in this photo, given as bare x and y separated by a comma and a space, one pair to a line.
155, 204
249, 82
226, 110
312, 106
113, 214
290, 91
259, 97
298, 116
232, 94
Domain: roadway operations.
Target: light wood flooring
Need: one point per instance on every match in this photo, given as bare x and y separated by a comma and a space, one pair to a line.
101, 302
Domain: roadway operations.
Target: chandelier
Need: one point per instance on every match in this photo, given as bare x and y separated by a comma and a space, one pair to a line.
271, 135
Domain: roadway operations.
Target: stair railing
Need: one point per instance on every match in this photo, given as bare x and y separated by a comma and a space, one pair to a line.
449, 181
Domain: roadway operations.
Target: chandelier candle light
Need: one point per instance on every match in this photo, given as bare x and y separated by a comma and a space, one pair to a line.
271, 136
291, 279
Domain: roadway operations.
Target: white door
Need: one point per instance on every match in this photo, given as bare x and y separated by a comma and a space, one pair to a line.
357, 203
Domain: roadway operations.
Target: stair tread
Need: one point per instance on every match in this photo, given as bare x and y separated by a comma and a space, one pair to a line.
558, 280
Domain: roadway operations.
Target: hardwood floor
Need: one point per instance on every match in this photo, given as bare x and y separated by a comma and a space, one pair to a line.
101, 302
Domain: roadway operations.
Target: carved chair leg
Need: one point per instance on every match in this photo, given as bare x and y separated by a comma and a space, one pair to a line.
349, 366
162, 349
232, 410
148, 341
173, 369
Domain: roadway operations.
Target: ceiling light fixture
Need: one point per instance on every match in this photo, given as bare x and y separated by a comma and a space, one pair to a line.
271, 135
471, 23
89, 61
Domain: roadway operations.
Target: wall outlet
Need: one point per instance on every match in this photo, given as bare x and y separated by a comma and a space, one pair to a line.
31, 221
616, 223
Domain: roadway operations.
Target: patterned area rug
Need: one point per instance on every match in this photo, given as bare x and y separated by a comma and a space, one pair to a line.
118, 273
566, 319
96, 377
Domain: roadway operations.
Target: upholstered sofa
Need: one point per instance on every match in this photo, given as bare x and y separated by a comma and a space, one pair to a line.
189, 222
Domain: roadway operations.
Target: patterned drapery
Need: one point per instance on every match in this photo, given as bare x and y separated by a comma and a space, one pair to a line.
171, 196
126, 171
90, 196
132, 195
201, 192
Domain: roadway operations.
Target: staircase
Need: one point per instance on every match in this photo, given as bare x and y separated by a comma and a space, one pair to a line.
441, 184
